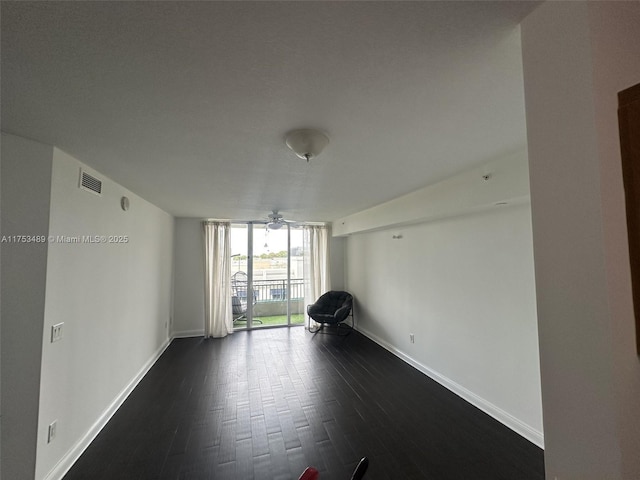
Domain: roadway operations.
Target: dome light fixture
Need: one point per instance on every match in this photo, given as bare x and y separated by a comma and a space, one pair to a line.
307, 143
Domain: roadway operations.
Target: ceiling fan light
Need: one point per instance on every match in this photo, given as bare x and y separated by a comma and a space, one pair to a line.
307, 143
274, 225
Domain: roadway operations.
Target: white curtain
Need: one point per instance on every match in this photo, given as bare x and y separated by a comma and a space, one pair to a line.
316, 263
218, 320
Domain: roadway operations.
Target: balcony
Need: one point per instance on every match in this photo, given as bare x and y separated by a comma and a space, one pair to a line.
270, 297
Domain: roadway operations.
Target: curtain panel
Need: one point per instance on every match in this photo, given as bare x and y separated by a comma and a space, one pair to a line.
218, 320
316, 262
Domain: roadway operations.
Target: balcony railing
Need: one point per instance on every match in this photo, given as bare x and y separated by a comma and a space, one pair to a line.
270, 297
276, 290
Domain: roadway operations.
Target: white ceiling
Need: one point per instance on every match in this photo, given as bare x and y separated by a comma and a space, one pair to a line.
187, 103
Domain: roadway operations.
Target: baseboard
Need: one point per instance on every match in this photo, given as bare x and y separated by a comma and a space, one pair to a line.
67, 461
188, 333
534, 436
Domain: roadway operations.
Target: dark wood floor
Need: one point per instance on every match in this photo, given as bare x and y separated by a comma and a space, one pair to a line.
266, 404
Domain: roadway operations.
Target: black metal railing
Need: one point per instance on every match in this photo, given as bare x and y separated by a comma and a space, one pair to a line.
273, 290
276, 290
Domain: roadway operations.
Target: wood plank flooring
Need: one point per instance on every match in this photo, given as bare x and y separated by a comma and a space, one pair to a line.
268, 403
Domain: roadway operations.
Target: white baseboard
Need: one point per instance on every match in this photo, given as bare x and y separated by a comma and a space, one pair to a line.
534, 436
188, 333
67, 461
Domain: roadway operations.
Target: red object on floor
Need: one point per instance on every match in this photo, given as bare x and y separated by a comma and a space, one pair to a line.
310, 473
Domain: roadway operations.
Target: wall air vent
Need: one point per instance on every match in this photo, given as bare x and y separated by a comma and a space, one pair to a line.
90, 183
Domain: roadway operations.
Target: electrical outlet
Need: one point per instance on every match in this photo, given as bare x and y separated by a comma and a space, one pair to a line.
52, 431
412, 338
56, 332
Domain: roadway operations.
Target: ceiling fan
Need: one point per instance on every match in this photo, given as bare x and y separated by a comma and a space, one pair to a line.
276, 220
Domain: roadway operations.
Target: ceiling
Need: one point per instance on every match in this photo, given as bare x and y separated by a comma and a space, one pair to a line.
187, 103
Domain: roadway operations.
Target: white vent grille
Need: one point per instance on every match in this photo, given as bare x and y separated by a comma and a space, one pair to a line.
90, 183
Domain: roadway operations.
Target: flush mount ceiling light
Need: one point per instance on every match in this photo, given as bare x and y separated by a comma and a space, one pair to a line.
307, 143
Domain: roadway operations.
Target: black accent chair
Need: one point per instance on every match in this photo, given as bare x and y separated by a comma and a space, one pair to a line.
332, 308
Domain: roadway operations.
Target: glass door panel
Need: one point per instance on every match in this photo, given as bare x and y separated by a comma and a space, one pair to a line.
270, 273
296, 275
240, 272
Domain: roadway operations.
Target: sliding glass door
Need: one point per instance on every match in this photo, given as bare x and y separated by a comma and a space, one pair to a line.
267, 280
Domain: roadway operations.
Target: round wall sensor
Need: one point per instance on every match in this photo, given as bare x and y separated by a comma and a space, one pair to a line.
124, 203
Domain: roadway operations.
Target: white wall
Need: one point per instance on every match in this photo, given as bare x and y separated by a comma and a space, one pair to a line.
115, 302
577, 56
337, 262
26, 186
464, 287
188, 319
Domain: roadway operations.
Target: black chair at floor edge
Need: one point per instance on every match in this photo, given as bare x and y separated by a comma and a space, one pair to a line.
361, 469
332, 308
239, 289
312, 473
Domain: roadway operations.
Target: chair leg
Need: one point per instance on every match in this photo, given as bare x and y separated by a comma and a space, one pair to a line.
339, 327
243, 318
361, 469
317, 329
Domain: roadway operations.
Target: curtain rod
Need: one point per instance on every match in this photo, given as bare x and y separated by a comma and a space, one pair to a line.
264, 222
